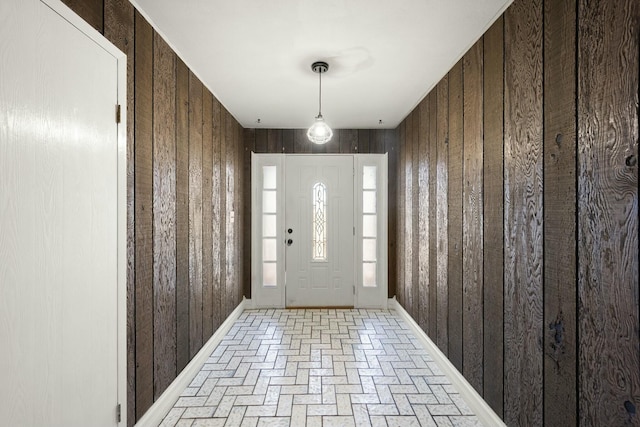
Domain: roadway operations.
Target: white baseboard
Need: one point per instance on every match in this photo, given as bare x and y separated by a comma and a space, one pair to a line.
156, 413
476, 403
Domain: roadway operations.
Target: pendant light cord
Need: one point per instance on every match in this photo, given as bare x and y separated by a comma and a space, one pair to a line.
320, 95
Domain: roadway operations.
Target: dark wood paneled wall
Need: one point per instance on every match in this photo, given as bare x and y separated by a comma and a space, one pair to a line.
375, 141
184, 171
537, 200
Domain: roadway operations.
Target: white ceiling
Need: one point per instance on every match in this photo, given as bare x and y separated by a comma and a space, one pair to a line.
384, 56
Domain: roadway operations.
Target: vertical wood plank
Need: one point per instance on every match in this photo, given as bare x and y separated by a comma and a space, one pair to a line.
242, 163
408, 216
415, 209
377, 143
493, 215
119, 29
331, 147
207, 220
182, 215
442, 247
230, 205
301, 143
237, 167
261, 141
608, 293
164, 215
144, 213
390, 145
423, 236
237, 144
223, 213
195, 214
523, 214
348, 140
363, 144
433, 154
217, 210
455, 215
472, 220
274, 141
239, 230
249, 146
91, 11
560, 238
400, 195
287, 143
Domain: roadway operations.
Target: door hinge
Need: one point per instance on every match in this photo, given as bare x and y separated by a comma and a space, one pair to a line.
118, 413
354, 230
118, 113
354, 289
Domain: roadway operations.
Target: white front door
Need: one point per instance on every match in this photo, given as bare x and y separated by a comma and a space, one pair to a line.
319, 231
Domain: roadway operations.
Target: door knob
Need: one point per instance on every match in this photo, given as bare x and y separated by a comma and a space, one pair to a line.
289, 242
290, 231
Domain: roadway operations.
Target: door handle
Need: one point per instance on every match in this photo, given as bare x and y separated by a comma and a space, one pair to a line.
289, 242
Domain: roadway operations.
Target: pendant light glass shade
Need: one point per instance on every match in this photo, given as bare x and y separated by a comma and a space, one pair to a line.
319, 132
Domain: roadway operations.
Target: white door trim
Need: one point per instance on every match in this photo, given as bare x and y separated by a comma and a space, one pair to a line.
274, 296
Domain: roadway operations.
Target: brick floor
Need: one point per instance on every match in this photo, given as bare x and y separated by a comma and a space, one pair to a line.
321, 367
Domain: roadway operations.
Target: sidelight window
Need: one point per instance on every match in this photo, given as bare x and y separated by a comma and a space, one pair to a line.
269, 217
369, 226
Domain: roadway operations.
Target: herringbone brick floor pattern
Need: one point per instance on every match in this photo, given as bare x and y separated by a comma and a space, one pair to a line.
321, 367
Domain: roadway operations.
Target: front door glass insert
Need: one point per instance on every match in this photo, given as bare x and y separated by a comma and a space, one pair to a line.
319, 232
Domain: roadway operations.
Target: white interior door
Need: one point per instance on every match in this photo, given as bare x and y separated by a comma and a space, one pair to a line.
60, 241
319, 231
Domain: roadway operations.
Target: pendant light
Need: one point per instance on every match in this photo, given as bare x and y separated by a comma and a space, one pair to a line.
319, 132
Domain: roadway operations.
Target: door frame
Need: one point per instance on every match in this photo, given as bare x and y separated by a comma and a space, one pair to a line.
84, 27
273, 296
